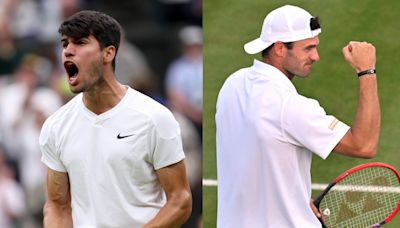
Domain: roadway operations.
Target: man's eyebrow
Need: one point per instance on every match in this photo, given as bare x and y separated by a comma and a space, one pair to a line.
311, 46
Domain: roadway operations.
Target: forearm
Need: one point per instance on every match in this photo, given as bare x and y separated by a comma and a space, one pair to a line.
366, 126
362, 139
57, 215
174, 213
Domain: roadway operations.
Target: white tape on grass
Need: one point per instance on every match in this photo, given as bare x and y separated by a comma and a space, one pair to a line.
209, 182
358, 188
214, 183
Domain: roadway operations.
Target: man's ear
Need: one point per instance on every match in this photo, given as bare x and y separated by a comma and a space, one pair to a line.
279, 49
109, 53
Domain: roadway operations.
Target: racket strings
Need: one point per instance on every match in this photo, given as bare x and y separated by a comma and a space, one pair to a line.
361, 199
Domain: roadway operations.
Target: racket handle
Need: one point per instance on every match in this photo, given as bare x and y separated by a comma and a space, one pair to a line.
316, 203
318, 200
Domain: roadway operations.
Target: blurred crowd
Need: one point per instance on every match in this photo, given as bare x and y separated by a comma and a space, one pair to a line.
160, 55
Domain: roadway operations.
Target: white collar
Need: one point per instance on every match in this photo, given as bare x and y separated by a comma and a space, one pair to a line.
272, 72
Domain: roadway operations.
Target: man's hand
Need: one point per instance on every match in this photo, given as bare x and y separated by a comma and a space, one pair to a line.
360, 55
315, 209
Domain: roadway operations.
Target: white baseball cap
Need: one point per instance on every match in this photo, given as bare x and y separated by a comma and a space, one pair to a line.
286, 24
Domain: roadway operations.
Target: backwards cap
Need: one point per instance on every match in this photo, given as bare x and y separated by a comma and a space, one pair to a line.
286, 24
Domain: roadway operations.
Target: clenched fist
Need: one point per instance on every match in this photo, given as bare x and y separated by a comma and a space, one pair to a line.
360, 55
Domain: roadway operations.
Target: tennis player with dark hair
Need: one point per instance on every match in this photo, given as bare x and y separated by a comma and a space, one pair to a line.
114, 155
267, 132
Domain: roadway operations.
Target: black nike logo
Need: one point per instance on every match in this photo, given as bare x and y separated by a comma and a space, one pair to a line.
119, 136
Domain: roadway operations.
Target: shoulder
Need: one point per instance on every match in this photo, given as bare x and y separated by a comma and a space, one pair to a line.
65, 111
159, 116
237, 82
235, 77
57, 119
231, 85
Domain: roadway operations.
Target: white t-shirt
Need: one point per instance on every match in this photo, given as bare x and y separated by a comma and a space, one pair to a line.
112, 158
266, 134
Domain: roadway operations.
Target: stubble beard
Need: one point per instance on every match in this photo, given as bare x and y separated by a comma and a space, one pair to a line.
94, 77
295, 69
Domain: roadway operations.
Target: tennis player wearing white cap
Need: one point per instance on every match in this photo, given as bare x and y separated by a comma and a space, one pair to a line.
267, 132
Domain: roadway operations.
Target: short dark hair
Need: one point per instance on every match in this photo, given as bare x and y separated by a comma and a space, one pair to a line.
315, 23
104, 28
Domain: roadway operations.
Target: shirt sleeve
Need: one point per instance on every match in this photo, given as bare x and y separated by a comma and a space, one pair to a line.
166, 141
306, 124
50, 154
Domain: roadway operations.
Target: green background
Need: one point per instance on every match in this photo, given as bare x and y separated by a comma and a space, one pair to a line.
227, 25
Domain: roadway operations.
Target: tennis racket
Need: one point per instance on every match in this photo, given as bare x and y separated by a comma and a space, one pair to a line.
367, 195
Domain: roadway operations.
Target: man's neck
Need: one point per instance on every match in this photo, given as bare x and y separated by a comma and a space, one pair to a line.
106, 95
278, 65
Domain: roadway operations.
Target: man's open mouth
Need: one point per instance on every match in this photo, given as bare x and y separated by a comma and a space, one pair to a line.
71, 68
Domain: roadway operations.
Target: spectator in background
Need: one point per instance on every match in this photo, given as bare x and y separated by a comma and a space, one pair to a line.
41, 105
23, 108
11, 195
14, 99
184, 80
10, 54
184, 87
132, 68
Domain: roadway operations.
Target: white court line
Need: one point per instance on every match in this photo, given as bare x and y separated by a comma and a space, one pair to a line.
210, 182
316, 186
358, 188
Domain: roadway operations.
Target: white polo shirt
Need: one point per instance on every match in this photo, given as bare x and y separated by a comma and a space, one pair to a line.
266, 134
112, 158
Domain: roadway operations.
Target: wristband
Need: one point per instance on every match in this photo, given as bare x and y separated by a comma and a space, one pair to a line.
369, 71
